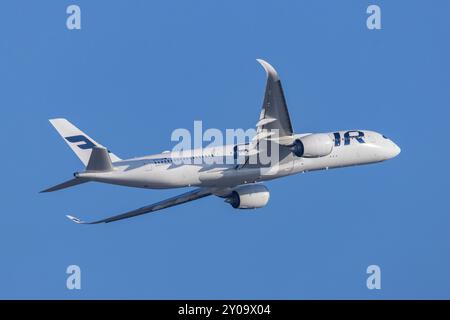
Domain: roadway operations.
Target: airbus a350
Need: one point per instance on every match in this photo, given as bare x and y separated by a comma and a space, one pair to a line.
239, 183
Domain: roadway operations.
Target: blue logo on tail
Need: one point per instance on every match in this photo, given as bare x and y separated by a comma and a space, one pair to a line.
88, 144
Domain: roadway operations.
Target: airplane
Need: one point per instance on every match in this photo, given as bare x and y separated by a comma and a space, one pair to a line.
239, 184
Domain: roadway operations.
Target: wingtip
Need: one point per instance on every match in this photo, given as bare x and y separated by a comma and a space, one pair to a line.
46, 190
271, 72
74, 219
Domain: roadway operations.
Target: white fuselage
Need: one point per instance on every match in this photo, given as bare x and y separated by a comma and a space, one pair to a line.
164, 170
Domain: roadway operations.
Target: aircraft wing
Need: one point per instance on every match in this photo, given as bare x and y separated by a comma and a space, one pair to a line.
174, 201
274, 113
274, 122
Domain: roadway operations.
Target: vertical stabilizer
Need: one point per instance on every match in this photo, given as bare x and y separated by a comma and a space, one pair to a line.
80, 143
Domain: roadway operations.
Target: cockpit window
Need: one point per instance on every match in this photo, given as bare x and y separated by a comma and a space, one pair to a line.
385, 137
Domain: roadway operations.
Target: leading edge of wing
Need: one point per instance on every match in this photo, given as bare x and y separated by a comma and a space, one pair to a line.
170, 202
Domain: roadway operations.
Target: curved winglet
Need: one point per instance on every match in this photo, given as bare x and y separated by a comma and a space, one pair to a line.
75, 219
271, 72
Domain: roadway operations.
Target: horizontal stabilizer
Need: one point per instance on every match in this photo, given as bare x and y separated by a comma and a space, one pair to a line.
66, 184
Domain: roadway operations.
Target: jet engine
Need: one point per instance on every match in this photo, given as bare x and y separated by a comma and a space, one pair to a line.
312, 146
249, 197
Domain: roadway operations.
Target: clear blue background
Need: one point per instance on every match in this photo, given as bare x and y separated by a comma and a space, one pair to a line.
139, 69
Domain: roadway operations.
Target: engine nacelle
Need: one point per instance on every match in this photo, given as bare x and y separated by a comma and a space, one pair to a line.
313, 146
249, 197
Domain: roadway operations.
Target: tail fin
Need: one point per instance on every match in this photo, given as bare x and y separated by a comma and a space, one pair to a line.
78, 141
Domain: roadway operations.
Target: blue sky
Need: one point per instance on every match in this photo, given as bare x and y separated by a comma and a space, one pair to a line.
137, 70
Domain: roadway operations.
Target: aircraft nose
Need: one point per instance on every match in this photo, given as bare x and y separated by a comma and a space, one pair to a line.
397, 150
393, 150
